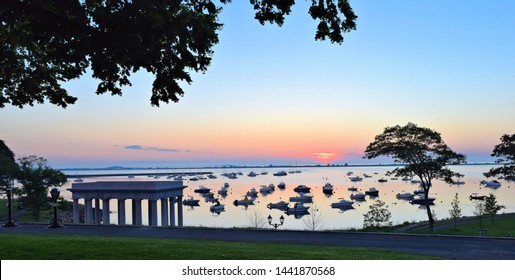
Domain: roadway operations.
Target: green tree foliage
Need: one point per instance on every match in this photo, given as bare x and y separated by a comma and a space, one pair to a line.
491, 206
8, 165
36, 177
377, 216
455, 210
505, 152
46, 43
422, 153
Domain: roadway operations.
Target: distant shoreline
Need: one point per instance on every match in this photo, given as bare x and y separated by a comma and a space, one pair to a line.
123, 168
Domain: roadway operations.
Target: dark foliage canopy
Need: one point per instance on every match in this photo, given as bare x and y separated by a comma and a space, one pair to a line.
505, 152
46, 43
8, 165
36, 176
422, 153
421, 150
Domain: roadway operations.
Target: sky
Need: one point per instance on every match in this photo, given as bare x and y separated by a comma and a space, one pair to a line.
274, 95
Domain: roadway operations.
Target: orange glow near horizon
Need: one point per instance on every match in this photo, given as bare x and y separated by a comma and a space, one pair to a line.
324, 158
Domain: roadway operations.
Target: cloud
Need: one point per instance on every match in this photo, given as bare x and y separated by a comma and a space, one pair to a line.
157, 149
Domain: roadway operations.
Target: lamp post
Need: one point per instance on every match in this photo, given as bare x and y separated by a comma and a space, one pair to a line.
9, 222
276, 225
55, 194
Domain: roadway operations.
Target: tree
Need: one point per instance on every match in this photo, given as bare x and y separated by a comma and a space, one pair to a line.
455, 210
491, 206
36, 177
479, 211
256, 219
377, 216
314, 220
422, 153
8, 165
505, 151
46, 43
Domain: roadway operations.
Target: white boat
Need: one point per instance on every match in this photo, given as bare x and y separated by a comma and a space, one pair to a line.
191, 201
217, 208
355, 179
302, 189
78, 180
202, 189
372, 192
327, 188
252, 174
281, 205
265, 190
421, 199
211, 176
244, 202
222, 191
493, 184
458, 182
405, 195
419, 191
342, 204
367, 176
280, 173
281, 185
272, 187
252, 192
352, 189
306, 198
358, 196
298, 208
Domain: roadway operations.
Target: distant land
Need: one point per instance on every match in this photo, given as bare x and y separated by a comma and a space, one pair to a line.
253, 166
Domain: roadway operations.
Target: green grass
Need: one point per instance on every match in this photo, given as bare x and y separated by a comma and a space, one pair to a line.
67, 247
503, 226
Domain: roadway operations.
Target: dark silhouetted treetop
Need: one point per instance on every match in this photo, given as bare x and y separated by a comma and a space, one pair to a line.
46, 43
422, 152
505, 152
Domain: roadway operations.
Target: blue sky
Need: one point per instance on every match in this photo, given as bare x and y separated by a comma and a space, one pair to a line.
275, 95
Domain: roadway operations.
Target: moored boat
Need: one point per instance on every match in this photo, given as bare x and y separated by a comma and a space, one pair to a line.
281, 205
202, 189
372, 192
342, 204
302, 189
327, 188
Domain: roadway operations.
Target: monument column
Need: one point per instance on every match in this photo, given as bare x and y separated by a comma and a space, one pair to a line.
106, 211
88, 211
164, 212
76, 216
97, 211
172, 211
179, 211
136, 212
121, 212
152, 212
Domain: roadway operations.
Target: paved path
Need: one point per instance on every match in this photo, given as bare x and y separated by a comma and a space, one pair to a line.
449, 247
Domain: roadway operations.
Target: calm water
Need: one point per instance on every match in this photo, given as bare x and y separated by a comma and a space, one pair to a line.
315, 178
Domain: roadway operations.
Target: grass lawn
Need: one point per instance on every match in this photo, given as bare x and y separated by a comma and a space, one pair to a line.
502, 226
43, 247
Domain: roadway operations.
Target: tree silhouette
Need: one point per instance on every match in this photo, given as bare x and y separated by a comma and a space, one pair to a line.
505, 151
46, 43
422, 153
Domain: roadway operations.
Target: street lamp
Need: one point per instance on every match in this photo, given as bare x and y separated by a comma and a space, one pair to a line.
9, 222
55, 194
276, 225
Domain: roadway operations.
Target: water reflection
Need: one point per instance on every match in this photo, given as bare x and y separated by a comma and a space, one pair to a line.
236, 207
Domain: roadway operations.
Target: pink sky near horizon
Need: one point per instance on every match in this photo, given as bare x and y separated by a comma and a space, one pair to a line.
275, 95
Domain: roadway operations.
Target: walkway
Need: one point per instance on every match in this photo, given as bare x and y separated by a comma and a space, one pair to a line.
448, 247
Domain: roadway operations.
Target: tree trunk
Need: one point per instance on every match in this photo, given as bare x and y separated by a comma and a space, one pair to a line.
426, 186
